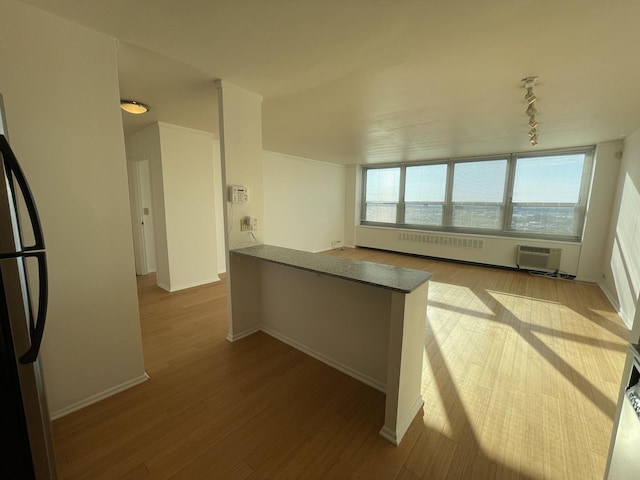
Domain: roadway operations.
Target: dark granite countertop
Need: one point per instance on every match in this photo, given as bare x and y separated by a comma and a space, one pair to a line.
403, 280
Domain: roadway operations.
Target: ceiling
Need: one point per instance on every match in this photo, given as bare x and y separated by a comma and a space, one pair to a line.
371, 81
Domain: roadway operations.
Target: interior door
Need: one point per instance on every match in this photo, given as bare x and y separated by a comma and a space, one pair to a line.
144, 187
137, 219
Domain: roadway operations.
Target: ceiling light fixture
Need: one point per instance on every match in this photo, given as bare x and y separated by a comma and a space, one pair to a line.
134, 107
530, 98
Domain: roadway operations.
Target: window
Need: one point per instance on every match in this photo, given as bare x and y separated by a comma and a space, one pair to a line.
478, 194
425, 194
541, 196
381, 194
547, 194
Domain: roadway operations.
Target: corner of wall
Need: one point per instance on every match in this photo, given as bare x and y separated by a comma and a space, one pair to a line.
353, 191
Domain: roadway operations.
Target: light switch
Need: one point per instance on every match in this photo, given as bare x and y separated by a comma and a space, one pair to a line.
145, 211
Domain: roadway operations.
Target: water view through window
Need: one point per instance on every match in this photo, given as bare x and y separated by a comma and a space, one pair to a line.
543, 195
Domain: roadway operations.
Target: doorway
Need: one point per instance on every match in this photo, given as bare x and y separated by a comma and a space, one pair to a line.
144, 247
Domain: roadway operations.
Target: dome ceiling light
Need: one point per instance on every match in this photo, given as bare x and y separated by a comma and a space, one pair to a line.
134, 107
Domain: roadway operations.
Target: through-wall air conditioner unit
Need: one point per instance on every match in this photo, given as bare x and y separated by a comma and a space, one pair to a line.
538, 258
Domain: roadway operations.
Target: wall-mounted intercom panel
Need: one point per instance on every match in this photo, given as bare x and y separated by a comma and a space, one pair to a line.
238, 194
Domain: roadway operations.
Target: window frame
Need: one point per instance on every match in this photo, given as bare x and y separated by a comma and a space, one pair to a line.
501, 205
507, 205
443, 203
399, 218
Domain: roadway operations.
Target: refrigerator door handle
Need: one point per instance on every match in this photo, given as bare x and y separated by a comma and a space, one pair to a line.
14, 170
37, 329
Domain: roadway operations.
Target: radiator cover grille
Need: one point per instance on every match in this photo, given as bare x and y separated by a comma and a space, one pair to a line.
442, 240
538, 258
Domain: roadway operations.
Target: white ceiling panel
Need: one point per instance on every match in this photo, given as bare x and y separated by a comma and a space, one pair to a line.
370, 81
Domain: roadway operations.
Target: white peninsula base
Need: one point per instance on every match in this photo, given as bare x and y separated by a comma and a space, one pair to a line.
364, 319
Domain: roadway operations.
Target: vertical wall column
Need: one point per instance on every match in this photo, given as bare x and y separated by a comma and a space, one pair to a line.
185, 189
240, 115
603, 191
353, 202
404, 363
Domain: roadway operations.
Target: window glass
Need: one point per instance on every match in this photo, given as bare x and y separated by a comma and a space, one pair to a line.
383, 185
424, 195
555, 220
541, 185
423, 214
543, 195
554, 179
426, 183
381, 195
479, 182
381, 212
476, 184
477, 216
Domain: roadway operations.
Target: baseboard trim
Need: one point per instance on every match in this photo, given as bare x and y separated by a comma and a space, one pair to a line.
332, 249
195, 284
396, 436
99, 396
367, 380
627, 321
239, 336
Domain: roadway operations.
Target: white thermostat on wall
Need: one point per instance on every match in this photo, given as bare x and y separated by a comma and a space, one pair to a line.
238, 194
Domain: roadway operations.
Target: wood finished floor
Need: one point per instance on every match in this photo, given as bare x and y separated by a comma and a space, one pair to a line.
520, 380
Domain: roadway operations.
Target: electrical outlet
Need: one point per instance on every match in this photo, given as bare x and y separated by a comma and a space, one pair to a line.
248, 224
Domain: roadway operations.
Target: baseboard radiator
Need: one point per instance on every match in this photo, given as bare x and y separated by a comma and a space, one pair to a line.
538, 258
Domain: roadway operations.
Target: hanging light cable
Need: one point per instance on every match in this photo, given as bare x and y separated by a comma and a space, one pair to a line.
530, 98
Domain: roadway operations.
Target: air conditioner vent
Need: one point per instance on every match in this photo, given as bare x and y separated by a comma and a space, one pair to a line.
538, 258
525, 248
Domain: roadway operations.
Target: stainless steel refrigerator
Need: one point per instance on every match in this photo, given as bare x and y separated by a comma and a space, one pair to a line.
25, 428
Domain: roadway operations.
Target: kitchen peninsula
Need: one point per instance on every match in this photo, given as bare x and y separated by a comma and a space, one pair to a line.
364, 319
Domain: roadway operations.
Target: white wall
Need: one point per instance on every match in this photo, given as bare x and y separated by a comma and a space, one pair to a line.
603, 192
60, 89
304, 202
183, 164
189, 199
499, 251
353, 201
621, 267
146, 145
240, 113
240, 120
220, 202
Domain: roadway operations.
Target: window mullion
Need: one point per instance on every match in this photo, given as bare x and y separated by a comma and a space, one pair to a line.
363, 197
401, 204
508, 194
447, 209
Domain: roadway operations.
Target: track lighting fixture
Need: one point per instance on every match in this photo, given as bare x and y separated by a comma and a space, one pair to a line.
530, 98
